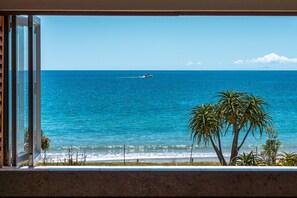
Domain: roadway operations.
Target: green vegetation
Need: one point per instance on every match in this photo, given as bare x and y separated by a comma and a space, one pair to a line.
249, 159
238, 111
45, 142
205, 127
269, 155
288, 159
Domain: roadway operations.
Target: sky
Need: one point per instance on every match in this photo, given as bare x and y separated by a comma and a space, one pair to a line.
168, 43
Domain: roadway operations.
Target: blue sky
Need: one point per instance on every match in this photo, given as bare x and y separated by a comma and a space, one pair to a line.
168, 43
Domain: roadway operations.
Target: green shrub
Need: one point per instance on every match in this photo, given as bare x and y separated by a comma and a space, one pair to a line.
271, 147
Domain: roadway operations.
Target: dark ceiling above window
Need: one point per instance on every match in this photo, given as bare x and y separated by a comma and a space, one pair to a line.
149, 7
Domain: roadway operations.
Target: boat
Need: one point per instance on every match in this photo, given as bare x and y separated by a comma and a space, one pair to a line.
146, 76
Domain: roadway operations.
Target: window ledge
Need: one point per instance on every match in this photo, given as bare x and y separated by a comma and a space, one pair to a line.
156, 168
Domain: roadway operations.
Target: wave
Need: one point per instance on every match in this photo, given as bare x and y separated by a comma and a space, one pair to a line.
147, 153
129, 77
156, 148
145, 157
132, 148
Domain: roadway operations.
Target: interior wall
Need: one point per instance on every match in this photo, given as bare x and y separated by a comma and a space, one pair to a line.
155, 182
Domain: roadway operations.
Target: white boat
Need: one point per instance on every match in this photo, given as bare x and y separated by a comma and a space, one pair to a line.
146, 76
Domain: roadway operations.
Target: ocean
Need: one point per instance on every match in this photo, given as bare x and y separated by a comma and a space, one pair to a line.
103, 112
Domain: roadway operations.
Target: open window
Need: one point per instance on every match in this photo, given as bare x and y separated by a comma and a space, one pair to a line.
24, 89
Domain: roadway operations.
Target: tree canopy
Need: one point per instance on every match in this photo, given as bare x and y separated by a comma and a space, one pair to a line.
236, 112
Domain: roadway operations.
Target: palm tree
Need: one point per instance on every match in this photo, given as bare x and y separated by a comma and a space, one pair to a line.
205, 125
230, 108
242, 112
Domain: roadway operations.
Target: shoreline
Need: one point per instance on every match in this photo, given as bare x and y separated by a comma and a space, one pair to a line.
113, 156
135, 158
158, 160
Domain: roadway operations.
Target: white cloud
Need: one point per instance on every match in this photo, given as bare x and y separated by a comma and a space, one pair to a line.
238, 62
273, 58
269, 58
190, 63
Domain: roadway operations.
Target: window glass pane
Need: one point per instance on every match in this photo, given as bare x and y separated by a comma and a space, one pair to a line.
36, 65
22, 86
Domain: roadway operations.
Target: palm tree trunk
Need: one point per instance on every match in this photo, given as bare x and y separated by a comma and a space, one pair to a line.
244, 138
219, 141
218, 152
221, 151
234, 149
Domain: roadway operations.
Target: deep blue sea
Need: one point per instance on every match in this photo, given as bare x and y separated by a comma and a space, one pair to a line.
101, 111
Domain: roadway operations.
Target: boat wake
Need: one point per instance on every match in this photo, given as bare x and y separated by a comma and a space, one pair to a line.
129, 77
143, 76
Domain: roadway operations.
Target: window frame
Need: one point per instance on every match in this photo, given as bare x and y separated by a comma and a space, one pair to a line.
151, 7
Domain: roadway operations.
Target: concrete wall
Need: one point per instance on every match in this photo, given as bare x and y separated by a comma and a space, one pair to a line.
148, 182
